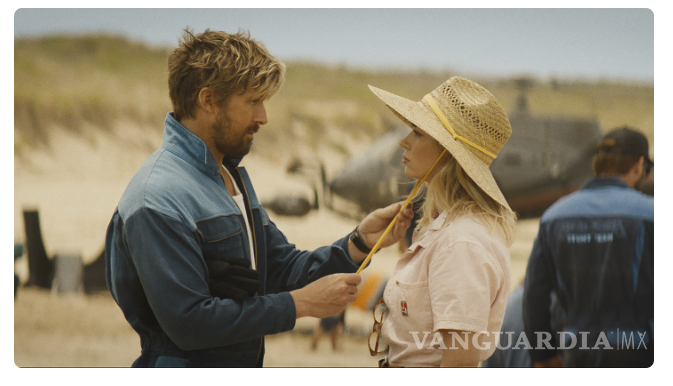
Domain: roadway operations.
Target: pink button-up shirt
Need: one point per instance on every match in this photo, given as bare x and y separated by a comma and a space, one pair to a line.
455, 276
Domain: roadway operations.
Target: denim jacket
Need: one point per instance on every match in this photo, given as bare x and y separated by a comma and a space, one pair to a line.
595, 252
175, 213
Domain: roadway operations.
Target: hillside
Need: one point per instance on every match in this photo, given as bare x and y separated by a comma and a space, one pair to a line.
89, 83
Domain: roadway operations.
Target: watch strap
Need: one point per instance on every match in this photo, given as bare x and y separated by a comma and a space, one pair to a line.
359, 242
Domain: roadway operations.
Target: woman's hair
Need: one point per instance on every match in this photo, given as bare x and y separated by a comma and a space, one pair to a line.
452, 190
226, 63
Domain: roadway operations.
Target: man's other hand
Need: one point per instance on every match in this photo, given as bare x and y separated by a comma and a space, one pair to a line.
232, 278
326, 296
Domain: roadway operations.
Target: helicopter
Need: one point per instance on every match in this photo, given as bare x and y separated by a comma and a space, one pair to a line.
546, 158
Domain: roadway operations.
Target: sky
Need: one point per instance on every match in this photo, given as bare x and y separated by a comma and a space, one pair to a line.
546, 43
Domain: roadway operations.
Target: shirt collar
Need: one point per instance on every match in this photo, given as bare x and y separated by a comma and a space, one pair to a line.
439, 221
185, 144
436, 224
599, 182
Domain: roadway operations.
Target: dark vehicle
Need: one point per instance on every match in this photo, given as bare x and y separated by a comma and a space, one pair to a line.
545, 158
376, 178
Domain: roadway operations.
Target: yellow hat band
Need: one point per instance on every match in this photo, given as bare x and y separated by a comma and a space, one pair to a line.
448, 127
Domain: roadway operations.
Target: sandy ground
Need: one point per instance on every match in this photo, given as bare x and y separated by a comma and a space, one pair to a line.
76, 188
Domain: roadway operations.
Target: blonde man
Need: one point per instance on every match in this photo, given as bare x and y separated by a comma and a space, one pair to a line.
595, 251
195, 264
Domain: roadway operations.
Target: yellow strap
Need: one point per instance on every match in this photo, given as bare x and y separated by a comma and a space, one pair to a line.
404, 206
446, 123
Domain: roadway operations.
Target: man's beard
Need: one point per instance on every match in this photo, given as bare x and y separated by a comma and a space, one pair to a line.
226, 143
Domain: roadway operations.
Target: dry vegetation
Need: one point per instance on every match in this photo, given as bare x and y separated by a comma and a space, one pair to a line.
69, 82
79, 82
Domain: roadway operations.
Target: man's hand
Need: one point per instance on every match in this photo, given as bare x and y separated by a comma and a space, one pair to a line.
232, 278
373, 226
326, 296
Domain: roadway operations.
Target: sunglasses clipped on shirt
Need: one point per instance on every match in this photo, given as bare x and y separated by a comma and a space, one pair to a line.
376, 345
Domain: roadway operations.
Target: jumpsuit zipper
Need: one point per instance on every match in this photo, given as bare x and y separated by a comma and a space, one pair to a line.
254, 239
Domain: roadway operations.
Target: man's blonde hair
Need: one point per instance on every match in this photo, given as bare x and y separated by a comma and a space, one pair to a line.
452, 190
225, 63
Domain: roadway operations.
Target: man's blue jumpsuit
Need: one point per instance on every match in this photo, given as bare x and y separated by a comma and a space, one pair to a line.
175, 211
595, 250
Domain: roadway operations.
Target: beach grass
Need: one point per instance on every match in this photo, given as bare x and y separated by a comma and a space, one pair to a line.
85, 82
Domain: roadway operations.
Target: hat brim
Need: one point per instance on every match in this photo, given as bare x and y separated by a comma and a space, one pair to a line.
421, 115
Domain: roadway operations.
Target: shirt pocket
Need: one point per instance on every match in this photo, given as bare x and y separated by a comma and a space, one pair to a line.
412, 305
221, 238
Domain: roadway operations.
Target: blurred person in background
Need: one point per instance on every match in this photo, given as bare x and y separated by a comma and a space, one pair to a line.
447, 296
193, 260
334, 325
595, 250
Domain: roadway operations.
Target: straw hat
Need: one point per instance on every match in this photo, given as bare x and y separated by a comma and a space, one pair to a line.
466, 119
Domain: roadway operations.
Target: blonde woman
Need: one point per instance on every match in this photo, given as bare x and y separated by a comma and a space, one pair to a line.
446, 298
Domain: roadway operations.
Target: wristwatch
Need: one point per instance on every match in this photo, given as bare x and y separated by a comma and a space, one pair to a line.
358, 241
